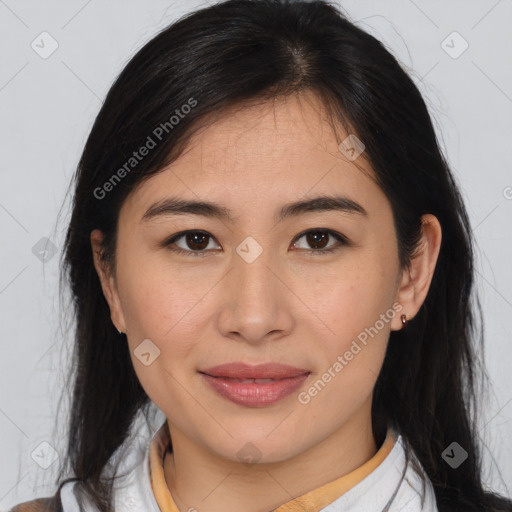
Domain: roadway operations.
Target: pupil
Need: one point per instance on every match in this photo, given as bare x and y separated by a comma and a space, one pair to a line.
191, 240
313, 239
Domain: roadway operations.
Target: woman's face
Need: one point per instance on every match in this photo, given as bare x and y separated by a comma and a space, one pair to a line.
249, 288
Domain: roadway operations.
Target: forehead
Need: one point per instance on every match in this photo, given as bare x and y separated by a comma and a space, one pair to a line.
265, 131
258, 155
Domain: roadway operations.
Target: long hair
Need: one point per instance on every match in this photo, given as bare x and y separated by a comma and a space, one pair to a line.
230, 54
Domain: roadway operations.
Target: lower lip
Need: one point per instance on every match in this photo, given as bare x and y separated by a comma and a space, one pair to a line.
257, 394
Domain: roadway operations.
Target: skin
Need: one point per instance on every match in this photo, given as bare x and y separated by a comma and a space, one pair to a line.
287, 306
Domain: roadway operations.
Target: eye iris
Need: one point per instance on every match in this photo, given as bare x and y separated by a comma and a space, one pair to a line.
314, 237
193, 243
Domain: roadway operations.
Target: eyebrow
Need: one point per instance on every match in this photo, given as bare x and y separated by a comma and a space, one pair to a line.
179, 206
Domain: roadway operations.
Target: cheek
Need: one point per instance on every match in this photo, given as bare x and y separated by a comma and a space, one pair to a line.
160, 305
157, 299
354, 297
353, 345
163, 307
355, 307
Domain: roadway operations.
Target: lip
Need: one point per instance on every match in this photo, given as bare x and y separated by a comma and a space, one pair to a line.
239, 370
226, 380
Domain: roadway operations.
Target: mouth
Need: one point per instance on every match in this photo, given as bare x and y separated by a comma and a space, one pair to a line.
258, 386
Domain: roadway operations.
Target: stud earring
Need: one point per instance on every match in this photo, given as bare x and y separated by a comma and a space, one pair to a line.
404, 320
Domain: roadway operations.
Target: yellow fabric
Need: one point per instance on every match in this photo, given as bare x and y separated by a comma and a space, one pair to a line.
157, 451
314, 500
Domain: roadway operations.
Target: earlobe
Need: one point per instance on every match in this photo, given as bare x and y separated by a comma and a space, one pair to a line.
416, 279
107, 281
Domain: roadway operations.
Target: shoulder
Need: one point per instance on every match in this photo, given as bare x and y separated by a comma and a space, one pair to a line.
38, 505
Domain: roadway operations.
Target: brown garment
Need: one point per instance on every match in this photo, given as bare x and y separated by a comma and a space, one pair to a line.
51, 504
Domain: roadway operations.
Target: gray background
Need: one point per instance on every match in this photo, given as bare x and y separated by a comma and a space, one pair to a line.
48, 107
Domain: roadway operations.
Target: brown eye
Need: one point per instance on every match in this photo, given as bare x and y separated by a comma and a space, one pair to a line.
318, 239
194, 243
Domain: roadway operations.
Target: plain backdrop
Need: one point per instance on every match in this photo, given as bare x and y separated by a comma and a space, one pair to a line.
459, 54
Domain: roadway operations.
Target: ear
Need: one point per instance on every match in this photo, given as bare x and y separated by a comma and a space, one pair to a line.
416, 279
108, 282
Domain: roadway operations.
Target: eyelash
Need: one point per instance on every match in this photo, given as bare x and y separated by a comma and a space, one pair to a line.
340, 238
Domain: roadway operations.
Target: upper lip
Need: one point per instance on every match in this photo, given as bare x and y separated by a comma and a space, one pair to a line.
241, 370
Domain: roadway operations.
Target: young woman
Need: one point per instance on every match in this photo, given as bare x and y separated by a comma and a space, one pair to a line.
267, 246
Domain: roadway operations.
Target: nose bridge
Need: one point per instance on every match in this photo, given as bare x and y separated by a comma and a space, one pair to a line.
257, 303
254, 273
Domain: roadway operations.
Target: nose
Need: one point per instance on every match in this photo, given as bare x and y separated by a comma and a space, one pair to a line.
258, 302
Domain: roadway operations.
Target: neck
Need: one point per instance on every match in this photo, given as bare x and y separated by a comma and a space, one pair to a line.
199, 479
